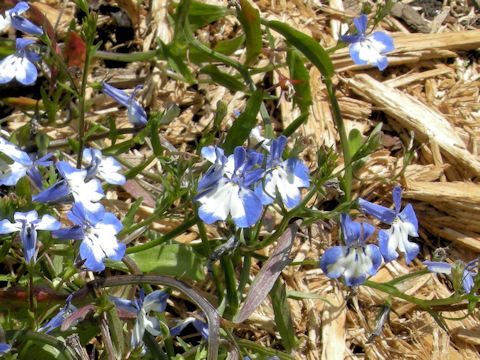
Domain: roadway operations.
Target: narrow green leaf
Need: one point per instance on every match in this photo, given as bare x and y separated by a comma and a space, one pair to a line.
175, 59
241, 128
299, 121
130, 216
299, 74
355, 141
223, 79
220, 114
225, 47
116, 332
249, 18
283, 315
306, 45
201, 14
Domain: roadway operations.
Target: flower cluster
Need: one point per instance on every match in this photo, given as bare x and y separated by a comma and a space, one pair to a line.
19, 66
96, 228
357, 259
242, 183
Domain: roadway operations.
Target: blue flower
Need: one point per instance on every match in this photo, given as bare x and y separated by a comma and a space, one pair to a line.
14, 170
59, 318
136, 114
356, 259
4, 348
98, 232
28, 223
20, 65
12, 17
403, 224
225, 188
369, 49
75, 183
201, 326
465, 273
155, 301
286, 177
105, 167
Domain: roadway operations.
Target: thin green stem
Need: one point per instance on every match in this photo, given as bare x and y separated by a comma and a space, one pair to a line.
41, 339
347, 156
168, 236
231, 286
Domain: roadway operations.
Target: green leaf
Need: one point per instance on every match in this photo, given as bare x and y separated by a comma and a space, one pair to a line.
299, 73
220, 114
115, 327
355, 141
295, 124
175, 59
223, 79
176, 260
225, 47
306, 45
283, 316
241, 128
130, 216
249, 18
201, 14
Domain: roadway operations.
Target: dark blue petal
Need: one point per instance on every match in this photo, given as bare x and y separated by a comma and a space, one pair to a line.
118, 95
382, 213
351, 230
368, 231
28, 235
36, 177
374, 254
277, 147
239, 156
355, 280
4, 348
351, 38
26, 26
156, 301
246, 208
252, 177
55, 193
361, 23
201, 327
73, 233
329, 258
22, 43
128, 305
381, 63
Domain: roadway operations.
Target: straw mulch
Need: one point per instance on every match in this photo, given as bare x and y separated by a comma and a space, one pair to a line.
427, 98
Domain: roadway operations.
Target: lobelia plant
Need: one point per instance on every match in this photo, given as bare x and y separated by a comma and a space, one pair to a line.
136, 113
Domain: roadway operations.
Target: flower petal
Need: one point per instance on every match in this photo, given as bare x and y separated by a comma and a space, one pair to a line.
6, 227
384, 39
8, 69
351, 230
330, 261
246, 208
156, 301
408, 216
382, 213
48, 222
388, 246
438, 267
216, 203
4, 348
397, 198
26, 26
152, 325
361, 23
26, 73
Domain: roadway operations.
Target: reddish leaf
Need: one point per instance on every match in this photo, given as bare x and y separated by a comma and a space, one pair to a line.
75, 50
267, 276
77, 316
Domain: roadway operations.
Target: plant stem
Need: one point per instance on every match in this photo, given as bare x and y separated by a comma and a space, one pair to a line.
168, 236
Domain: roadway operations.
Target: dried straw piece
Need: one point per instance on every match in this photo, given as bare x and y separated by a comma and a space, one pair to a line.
414, 115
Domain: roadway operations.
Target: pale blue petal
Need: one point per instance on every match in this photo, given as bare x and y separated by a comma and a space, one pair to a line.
92, 262
381, 63
467, 281
385, 39
26, 72
8, 69
6, 227
382, 213
408, 215
246, 208
128, 305
136, 114
111, 219
388, 251
296, 168
438, 267
177, 329
156, 301
277, 147
411, 251
374, 254
330, 258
